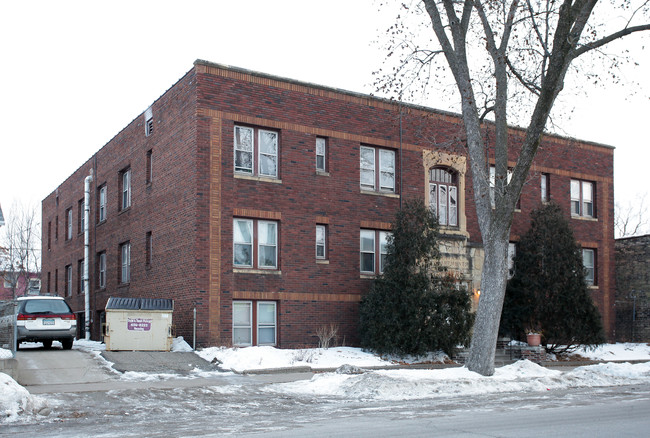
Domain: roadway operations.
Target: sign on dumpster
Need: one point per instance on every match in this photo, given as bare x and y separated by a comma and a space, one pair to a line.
139, 324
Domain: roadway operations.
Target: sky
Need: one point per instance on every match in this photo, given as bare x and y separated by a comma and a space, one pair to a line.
74, 73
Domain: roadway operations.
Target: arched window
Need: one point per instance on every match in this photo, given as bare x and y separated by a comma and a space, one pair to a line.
443, 195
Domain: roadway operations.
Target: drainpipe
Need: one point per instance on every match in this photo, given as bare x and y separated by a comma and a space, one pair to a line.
87, 181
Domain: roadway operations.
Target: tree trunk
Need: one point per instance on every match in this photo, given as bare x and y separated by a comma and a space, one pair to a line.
488, 316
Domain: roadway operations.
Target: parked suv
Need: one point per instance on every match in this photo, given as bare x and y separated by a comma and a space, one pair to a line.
45, 319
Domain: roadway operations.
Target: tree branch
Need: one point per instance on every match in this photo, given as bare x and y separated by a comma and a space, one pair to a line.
608, 39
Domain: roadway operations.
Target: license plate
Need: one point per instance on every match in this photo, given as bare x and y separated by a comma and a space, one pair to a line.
48, 321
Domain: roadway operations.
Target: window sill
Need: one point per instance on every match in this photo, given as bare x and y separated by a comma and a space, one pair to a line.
368, 276
322, 262
592, 287
101, 222
258, 178
256, 271
124, 210
322, 173
386, 194
584, 218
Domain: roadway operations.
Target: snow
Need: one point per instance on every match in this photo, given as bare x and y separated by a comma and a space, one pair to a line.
377, 384
259, 358
5, 354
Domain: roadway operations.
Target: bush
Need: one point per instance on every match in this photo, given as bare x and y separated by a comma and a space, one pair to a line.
414, 307
548, 290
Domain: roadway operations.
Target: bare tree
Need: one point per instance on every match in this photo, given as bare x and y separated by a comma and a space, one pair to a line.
631, 219
20, 244
509, 60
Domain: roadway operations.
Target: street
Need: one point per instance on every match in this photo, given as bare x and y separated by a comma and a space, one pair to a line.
244, 406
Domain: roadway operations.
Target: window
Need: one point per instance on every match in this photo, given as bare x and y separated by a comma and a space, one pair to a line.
101, 270
377, 169
81, 216
545, 187
68, 280
10, 280
68, 224
149, 248
493, 186
373, 242
49, 282
589, 262
125, 189
125, 262
56, 228
321, 153
148, 122
254, 323
582, 198
49, 235
35, 284
321, 242
249, 147
149, 170
443, 196
102, 203
255, 244
149, 127
80, 270
56, 281
512, 252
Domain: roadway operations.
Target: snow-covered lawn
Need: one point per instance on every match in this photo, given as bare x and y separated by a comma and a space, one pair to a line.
395, 384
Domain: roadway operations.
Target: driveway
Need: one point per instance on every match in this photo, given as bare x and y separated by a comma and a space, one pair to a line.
59, 367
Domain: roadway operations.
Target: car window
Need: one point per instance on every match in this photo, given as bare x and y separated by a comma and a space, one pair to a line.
46, 306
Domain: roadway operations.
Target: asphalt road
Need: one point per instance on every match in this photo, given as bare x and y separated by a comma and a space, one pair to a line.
231, 405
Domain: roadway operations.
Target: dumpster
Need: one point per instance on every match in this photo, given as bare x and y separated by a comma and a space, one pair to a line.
141, 324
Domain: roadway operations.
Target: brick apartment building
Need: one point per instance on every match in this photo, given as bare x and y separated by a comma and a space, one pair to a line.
263, 202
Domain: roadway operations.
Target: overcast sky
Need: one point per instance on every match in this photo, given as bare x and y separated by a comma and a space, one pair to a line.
74, 73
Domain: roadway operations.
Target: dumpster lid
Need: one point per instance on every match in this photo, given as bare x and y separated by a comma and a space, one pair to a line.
139, 304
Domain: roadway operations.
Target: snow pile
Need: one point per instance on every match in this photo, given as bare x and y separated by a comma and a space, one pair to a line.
522, 376
179, 345
5, 354
257, 358
16, 401
618, 351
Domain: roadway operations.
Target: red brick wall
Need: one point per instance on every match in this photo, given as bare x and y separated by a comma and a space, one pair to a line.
190, 205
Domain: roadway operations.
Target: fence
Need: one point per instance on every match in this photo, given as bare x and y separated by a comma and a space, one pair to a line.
7, 329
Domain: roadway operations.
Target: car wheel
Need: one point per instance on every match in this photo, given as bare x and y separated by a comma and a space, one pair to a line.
67, 344
47, 344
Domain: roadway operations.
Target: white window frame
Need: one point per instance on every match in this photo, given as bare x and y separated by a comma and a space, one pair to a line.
321, 242
238, 326
68, 235
267, 325
125, 263
378, 166
68, 276
253, 326
267, 244
589, 265
126, 189
102, 203
256, 244
441, 195
544, 187
582, 198
256, 153
379, 247
321, 154
102, 270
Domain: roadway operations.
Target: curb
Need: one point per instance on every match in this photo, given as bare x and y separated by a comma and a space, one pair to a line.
421, 366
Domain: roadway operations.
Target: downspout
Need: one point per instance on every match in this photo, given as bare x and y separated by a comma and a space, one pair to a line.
87, 182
